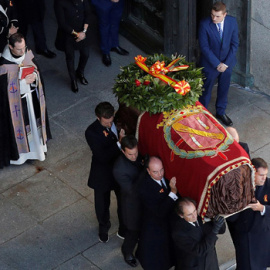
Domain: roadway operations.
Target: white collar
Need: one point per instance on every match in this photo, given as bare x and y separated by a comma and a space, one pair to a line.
8, 56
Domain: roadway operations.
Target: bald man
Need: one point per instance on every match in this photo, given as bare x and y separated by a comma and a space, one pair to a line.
158, 198
235, 136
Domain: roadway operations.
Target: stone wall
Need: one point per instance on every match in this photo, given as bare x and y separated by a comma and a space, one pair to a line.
260, 44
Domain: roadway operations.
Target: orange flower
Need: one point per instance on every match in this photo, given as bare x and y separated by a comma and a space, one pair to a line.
182, 87
105, 133
161, 191
159, 67
140, 59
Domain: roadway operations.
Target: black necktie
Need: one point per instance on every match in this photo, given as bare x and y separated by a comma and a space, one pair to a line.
163, 186
112, 134
196, 223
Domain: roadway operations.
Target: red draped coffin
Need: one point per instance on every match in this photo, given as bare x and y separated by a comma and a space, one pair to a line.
209, 165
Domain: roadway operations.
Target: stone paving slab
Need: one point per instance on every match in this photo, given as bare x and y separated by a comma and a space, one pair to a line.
42, 195
78, 262
35, 249
13, 175
13, 220
74, 170
108, 256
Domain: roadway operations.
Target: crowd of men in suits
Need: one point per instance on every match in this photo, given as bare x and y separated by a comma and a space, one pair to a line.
164, 226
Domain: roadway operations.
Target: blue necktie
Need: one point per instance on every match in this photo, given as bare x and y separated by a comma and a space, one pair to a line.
220, 30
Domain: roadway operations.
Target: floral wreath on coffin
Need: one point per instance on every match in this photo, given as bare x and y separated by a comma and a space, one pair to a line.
157, 83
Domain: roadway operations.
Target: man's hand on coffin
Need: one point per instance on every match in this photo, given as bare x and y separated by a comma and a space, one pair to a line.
122, 134
218, 222
30, 78
257, 206
173, 185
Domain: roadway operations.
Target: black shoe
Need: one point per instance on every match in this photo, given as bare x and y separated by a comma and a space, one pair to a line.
121, 235
47, 53
120, 50
103, 237
74, 86
106, 59
225, 119
131, 260
81, 77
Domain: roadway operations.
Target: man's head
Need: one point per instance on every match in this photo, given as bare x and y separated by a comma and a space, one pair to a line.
186, 209
155, 168
234, 133
16, 44
129, 147
261, 170
105, 114
218, 12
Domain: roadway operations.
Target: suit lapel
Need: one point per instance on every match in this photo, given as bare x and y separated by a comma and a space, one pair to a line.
215, 33
192, 231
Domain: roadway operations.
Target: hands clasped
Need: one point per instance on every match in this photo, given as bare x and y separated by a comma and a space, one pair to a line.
221, 67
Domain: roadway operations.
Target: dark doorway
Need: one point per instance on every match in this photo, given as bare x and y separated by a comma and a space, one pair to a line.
170, 26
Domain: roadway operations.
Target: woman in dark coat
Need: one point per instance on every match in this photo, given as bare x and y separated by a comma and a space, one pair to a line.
73, 17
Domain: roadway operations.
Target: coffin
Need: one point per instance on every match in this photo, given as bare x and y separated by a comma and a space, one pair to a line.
210, 167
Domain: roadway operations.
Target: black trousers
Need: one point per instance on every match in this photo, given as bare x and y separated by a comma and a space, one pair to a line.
70, 59
131, 239
102, 208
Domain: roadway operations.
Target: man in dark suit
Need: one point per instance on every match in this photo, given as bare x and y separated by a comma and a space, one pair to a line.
31, 12
126, 171
158, 198
194, 241
73, 18
218, 39
250, 229
109, 14
104, 142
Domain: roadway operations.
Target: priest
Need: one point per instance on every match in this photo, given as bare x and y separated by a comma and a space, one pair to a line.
24, 128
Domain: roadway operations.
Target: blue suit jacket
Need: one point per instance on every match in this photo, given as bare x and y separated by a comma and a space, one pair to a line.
213, 49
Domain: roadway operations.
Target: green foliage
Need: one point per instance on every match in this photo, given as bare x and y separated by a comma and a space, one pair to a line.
157, 96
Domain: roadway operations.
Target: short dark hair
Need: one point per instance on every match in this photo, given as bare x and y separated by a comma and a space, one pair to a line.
219, 6
181, 203
105, 110
259, 163
129, 142
17, 37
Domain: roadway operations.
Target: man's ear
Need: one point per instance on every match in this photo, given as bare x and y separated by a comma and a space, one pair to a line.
148, 171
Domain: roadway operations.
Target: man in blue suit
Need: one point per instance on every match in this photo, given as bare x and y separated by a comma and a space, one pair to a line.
218, 39
109, 14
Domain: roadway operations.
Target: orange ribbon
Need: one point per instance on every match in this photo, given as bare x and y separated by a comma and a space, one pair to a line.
159, 70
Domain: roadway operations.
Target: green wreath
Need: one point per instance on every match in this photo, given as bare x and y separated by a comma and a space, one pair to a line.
146, 92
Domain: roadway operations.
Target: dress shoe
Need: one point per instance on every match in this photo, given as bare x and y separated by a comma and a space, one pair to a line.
106, 59
121, 235
47, 53
119, 50
74, 86
81, 77
131, 260
225, 119
103, 237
